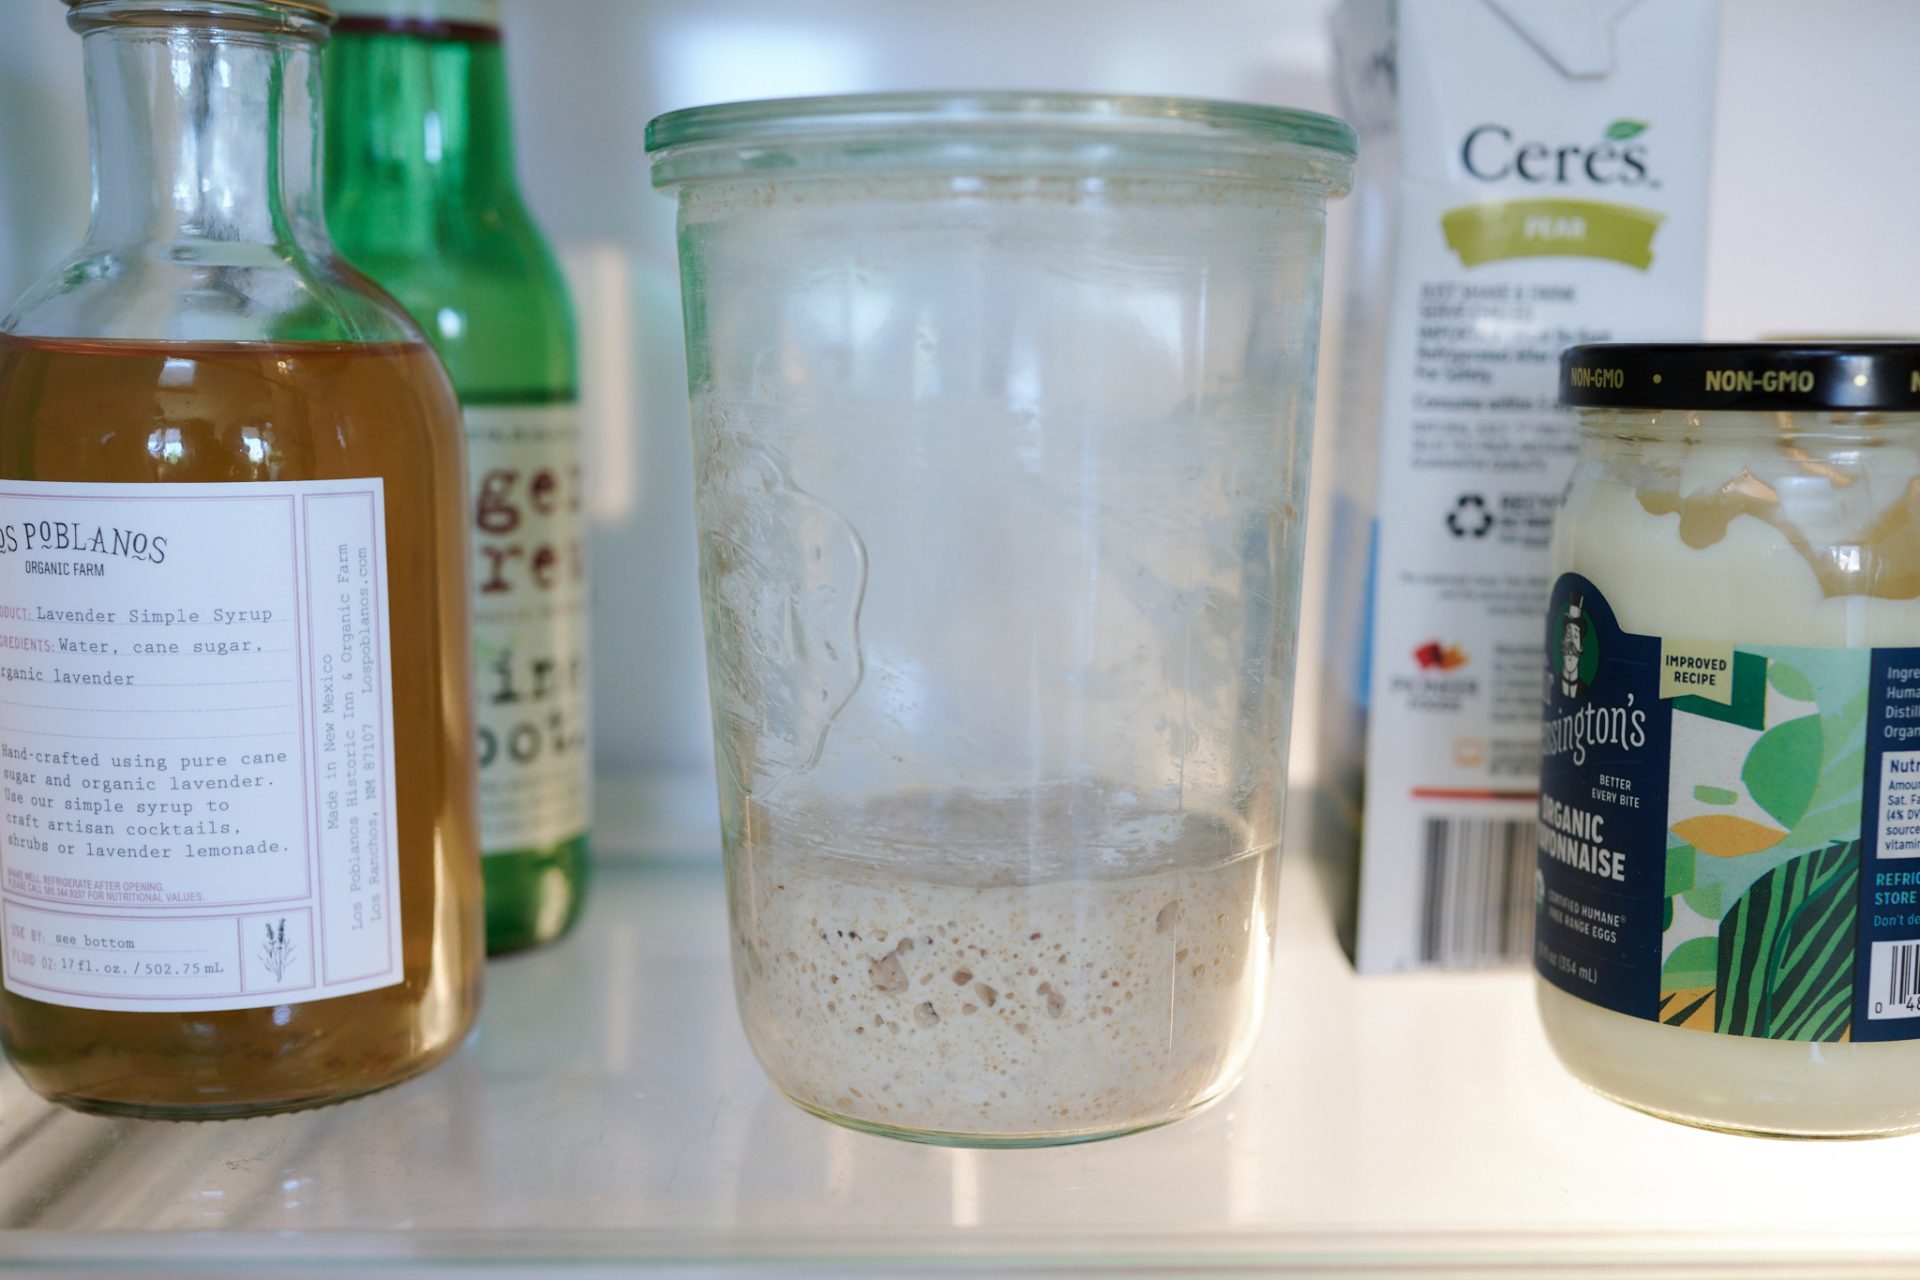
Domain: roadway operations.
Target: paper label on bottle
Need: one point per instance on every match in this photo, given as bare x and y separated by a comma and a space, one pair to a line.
196, 744
1729, 834
530, 620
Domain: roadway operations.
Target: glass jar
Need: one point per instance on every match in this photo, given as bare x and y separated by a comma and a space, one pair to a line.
239, 874
1001, 412
422, 196
1729, 877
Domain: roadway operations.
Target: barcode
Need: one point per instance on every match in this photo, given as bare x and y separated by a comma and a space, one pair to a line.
1894, 978
1478, 907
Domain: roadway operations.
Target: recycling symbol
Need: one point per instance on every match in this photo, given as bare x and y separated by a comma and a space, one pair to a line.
1470, 517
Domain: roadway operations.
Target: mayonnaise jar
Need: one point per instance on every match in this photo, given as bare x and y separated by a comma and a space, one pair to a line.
1728, 889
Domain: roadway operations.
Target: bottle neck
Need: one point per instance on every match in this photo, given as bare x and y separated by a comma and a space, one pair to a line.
202, 135
419, 121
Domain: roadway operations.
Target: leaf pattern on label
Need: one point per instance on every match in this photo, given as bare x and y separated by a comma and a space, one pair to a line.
1764, 851
1727, 835
1786, 950
1783, 768
1692, 1007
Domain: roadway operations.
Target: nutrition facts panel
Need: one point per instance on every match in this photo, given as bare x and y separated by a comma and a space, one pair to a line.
196, 755
1887, 998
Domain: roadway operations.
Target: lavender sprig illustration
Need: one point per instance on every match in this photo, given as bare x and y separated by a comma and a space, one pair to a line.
277, 954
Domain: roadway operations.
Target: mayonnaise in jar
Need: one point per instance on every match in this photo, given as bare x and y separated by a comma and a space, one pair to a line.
1728, 889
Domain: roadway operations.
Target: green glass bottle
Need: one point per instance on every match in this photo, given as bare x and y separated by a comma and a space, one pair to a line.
421, 195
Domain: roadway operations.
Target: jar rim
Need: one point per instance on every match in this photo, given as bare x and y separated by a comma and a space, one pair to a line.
1813, 377
1003, 131
304, 12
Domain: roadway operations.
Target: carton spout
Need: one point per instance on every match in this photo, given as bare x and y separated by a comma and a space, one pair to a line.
1576, 36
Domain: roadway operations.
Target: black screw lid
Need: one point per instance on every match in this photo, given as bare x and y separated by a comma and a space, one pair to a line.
1844, 377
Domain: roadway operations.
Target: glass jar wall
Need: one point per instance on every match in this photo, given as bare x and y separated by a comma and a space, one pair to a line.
1001, 410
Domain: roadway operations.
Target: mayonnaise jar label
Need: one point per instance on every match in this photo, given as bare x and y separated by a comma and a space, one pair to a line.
1729, 833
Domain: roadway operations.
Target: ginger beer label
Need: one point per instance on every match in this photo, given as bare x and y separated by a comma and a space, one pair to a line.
196, 744
530, 619
1729, 835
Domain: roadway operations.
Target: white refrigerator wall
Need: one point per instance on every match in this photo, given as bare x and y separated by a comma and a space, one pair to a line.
1814, 206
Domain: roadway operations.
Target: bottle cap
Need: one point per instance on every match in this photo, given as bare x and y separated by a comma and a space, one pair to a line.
403, 15
1817, 377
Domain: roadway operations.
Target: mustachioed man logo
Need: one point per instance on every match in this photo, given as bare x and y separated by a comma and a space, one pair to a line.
1578, 645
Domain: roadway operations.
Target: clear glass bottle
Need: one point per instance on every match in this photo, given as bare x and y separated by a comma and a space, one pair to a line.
421, 195
239, 872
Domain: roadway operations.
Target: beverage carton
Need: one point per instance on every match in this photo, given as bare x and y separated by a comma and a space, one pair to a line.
1533, 173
